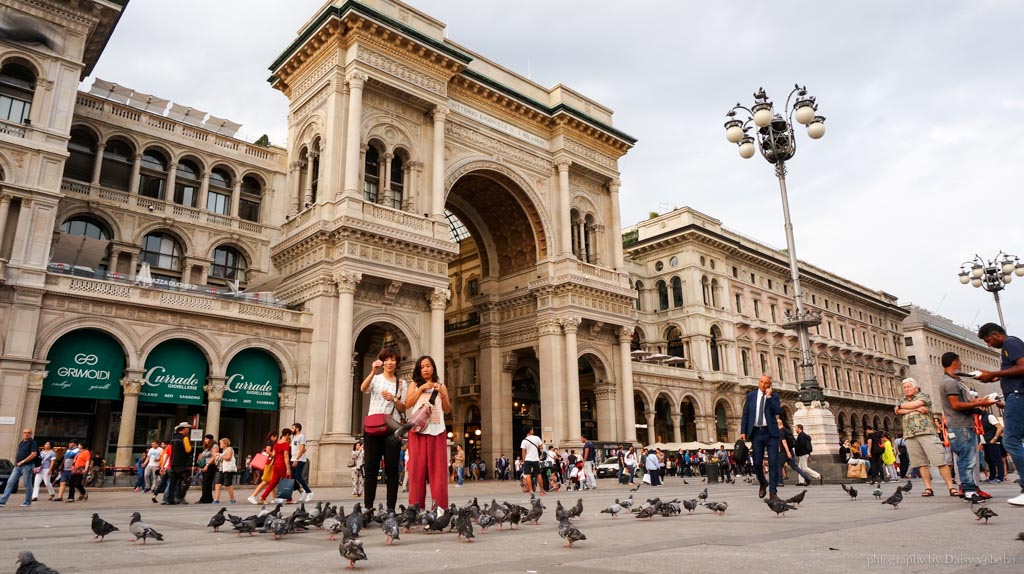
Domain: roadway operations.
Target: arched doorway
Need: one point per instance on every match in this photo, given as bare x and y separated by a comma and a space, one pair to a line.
250, 405
644, 434
688, 420
471, 434
662, 419
597, 403
841, 426
722, 411
525, 405
369, 343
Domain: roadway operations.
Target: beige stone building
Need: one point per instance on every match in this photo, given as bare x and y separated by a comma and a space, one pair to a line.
714, 301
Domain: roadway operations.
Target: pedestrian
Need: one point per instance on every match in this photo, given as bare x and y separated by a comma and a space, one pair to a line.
629, 459
531, 447
902, 454
428, 445
387, 397
79, 468
874, 447
67, 462
355, 462
177, 472
300, 459
651, 466
227, 470
589, 462
924, 449
803, 450
208, 467
1011, 381
281, 468
267, 471
42, 471
993, 447
518, 468
787, 456
759, 411
501, 467
459, 463
24, 468
403, 465
889, 458
960, 410
153, 465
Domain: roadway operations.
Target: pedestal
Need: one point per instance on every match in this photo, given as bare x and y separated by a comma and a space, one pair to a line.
819, 422
330, 460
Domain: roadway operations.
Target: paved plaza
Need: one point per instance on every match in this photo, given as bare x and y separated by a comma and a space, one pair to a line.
830, 533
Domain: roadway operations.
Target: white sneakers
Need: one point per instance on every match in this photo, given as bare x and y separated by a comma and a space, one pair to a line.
1017, 500
253, 500
308, 497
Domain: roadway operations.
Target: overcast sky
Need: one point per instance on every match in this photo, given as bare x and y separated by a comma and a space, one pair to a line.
921, 167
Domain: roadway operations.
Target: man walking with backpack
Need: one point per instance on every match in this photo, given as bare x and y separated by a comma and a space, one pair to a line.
803, 453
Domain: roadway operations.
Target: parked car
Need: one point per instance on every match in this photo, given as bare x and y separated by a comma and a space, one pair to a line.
6, 468
609, 468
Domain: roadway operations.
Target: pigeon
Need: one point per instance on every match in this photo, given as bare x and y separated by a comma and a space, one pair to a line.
703, 495
333, 526
646, 512
351, 548
798, 498
464, 524
407, 518
877, 492
249, 526
234, 519
535, 513
982, 512
442, 520
895, 499
577, 510
27, 564
690, 505
613, 509
354, 521
628, 503
638, 485
101, 527
390, 527
140, 529
216, 521
1020, 536
486, 521
684, 481
850, 490
569, 532
779, 506
907, 487
560, 512
718, 508
515, 516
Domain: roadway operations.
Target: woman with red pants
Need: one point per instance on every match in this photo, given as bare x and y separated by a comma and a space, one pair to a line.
282, 466
428, 448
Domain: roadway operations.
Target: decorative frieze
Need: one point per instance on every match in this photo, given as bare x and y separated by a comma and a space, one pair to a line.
589, 153
495, 146
311, 104
347, 282
315, 75
400, 71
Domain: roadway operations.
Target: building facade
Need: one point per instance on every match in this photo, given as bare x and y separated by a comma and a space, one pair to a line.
713, 301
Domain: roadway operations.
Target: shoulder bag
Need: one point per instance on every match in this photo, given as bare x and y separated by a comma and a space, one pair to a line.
381, 424
421, 418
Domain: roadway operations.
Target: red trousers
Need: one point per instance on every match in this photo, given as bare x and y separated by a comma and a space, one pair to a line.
276, 475
428, 458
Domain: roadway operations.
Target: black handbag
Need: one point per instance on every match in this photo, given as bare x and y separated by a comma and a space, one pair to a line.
740, 452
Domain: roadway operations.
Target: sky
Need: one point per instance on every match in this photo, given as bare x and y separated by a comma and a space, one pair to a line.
915, 175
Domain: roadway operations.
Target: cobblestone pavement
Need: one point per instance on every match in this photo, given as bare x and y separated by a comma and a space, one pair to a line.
830, 533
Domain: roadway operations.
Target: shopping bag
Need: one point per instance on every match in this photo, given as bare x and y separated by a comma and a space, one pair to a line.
285, 488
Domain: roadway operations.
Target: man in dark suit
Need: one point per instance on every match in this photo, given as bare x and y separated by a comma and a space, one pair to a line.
759, 411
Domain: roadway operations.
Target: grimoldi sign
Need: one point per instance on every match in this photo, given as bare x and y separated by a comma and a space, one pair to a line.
253, 381
85, 364
175, 373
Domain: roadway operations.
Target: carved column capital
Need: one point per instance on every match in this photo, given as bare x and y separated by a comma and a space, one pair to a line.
132, 387
549, 327
35, 380
356, 80
347, 282
388, 156
439, 113
625, 334
570, 324
439, 298
613, 185
286, 399
562, 164
509, 361
215, 388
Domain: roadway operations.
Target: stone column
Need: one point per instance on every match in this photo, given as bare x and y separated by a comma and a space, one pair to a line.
626, 386
607, 418
438, 299
386, 197
236, 196
565, 237
133, 186
551, 381
495, 396
437, 191
5, 208
131, 385
295, 199
204, 190
97, 163
172, 179
651, 436
307, 187
616, 235
677, 434
286, 399
341, 420
352, 133
571, 325
411, 188
133, 266
214, 395
33, 392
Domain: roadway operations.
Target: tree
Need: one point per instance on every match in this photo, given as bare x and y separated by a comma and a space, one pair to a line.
264, 141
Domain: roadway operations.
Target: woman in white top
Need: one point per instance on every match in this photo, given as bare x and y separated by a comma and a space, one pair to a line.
46, 458
630, 461
227, 469
429, 446
387, 397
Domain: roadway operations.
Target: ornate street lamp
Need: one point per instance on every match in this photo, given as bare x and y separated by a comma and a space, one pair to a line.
775, 140
992, 276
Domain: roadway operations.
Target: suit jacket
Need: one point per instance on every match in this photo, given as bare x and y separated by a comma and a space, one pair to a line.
772, 409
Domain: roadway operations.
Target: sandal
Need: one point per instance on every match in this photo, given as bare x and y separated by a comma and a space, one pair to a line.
954, 492
927, 492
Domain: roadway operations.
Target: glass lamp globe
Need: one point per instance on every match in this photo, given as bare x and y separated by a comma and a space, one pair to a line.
763, 117
1007, 278
964, 278
816, 129
734, 134
747, 150
975, 282
805, 114
1008, 266
976, 272
1019, 271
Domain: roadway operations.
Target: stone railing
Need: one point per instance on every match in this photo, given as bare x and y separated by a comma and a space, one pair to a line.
595, 271
394, 216
12, 129
182, 212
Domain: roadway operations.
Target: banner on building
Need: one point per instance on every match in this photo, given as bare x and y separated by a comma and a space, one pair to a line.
253, 381
85, 364
175, 373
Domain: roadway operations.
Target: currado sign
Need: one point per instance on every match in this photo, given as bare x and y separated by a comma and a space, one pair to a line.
175, 373
85, 364
253, 381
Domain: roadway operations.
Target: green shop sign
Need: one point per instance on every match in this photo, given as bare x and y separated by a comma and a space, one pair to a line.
85, 364
175, 373
253, 381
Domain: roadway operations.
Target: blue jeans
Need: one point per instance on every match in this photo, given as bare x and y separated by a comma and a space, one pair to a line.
299, 475
24, 471
964, 444
1013, 431
458, 473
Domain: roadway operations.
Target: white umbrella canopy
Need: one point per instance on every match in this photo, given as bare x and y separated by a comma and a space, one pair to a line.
639, 354
144, 276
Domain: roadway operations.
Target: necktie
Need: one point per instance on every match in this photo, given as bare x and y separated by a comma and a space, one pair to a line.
760, 412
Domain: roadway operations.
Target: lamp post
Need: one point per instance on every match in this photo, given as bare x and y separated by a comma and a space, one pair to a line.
992, 276
775, 140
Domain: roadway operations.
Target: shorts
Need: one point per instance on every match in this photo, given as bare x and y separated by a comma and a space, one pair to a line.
531, 467
925, 450
225, 478
65, 476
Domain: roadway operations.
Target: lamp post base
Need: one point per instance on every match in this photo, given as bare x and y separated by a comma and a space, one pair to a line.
818, 422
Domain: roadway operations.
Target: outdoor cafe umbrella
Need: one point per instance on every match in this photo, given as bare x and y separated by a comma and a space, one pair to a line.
144, 276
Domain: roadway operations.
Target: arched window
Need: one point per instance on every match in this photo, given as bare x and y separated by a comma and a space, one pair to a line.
745, 361
639, 296
81, 155
186, 183
371, 174
674, 342
574, 233
705, 289
314, 176
153, 175
714, 292
85, 226
17, 86
116, 172
162, 252
397, 181
589, 240
249, 202
229, 264
662, 296
677, 292
716, 363
218, 197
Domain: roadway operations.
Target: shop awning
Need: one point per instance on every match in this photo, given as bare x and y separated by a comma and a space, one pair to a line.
85, 364
253, 381
175, 373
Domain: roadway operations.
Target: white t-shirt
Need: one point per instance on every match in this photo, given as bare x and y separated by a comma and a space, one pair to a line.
630, 459
436, 424
153, 455
532, 448
297, 441
378, 405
